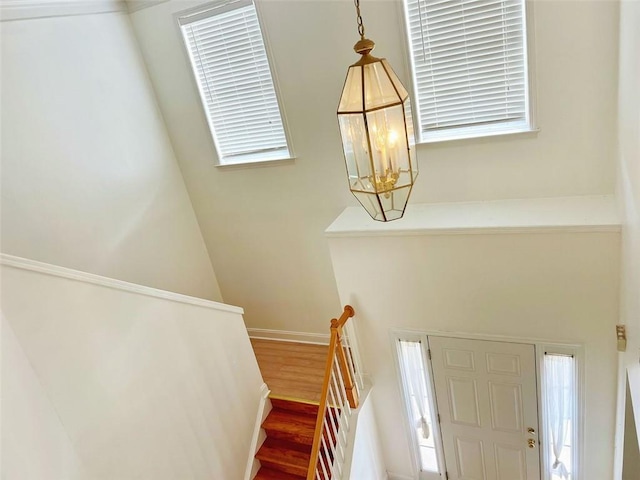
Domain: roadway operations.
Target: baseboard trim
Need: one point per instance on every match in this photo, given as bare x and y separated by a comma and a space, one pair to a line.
288, 336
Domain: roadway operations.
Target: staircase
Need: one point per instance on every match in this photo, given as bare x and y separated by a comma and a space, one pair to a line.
308, 439
286, 452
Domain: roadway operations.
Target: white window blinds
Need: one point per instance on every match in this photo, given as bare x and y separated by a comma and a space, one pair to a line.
232, 70
469, 62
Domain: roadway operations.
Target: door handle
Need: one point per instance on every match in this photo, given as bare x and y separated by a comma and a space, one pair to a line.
532, 443
531, 431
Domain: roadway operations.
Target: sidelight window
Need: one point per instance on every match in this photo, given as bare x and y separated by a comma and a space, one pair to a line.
560, 402
421, 412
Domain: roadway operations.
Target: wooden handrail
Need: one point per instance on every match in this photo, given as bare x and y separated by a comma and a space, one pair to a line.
347, 313
336, 353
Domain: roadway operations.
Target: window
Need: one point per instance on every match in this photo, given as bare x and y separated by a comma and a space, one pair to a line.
416, 389
560, 405
230, 64
469, 64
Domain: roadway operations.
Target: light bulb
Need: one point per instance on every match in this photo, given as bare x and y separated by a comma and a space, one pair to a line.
392, 138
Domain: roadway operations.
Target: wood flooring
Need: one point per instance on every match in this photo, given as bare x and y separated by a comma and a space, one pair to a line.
293, 370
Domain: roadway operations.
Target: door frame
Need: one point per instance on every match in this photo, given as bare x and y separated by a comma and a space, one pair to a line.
577, 350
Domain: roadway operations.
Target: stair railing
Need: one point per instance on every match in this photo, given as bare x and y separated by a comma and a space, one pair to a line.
340, 395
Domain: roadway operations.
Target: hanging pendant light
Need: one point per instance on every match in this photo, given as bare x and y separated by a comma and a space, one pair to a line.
377, 133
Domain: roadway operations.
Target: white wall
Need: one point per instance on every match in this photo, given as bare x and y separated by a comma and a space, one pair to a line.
560, 287
89, 177
144, 386
629, 187
263, 226
35, 445
366, 461
575, 79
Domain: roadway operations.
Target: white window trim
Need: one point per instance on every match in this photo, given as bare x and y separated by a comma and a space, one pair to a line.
460, 134
540, 346
224, 4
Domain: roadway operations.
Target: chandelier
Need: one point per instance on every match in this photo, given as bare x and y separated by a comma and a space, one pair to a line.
376, 126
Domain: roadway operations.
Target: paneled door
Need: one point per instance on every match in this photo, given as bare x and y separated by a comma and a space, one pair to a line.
487, 401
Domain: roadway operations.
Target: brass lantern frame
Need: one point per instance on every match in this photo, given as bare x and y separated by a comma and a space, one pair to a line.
384, 183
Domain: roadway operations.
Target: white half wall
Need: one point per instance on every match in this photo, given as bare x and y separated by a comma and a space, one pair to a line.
631, 451
35, 445
366, 461
107, 380
89, 177
554, 286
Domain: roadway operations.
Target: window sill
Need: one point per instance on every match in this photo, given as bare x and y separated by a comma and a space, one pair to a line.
256, 163
529, 131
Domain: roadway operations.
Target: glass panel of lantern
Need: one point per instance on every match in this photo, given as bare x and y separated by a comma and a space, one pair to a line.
378, 140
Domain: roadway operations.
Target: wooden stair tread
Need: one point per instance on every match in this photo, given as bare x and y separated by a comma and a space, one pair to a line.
279, 414
269, 474
294, 405
285, 456
290, 425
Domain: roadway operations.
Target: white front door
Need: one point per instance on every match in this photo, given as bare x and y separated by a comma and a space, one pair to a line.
487, 401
